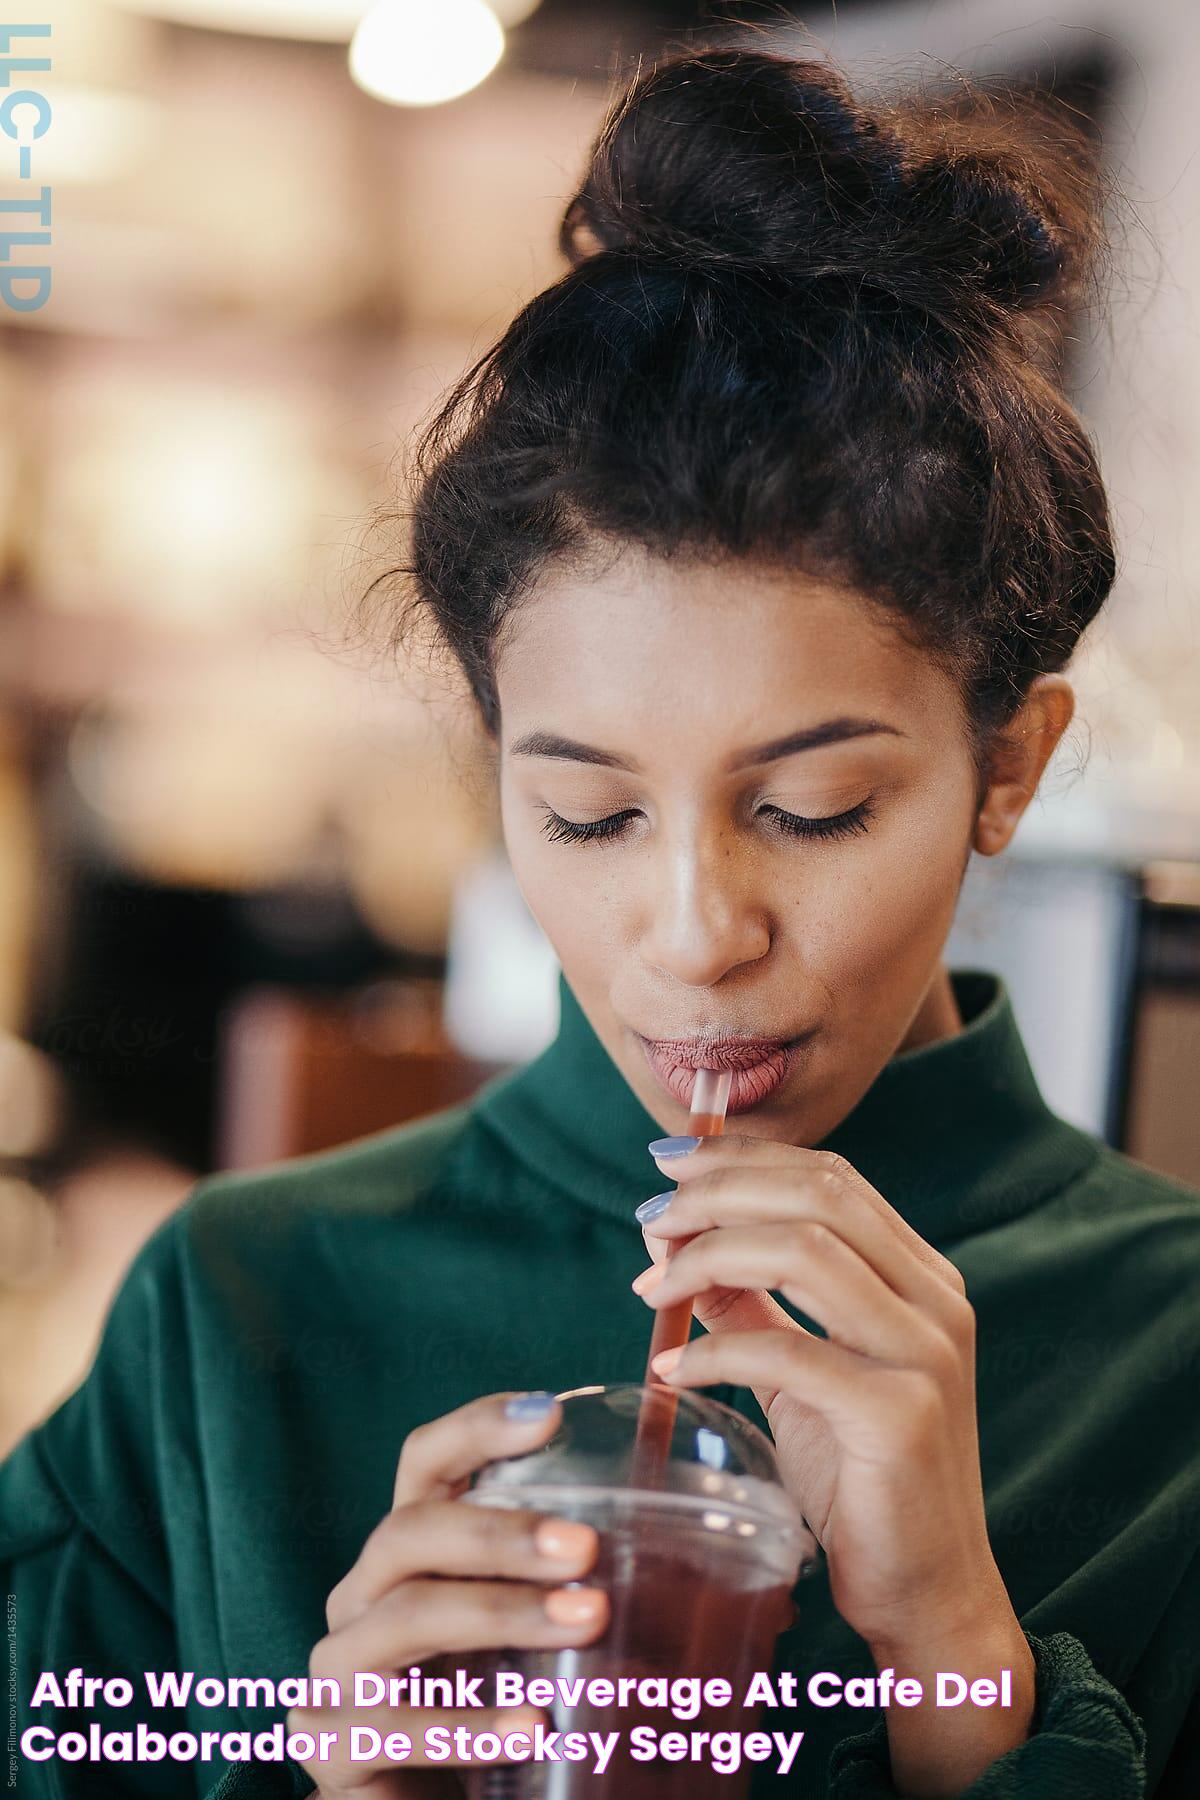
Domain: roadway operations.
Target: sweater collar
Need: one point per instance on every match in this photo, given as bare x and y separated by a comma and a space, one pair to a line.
955, 1134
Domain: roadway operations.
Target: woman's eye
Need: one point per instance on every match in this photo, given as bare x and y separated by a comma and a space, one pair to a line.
558, 829
837, 825
843, 824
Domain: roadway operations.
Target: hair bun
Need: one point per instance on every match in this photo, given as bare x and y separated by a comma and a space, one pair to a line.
974, 220
731, 158
747, 161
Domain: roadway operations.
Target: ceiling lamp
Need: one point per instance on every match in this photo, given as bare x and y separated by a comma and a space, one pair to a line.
422, 52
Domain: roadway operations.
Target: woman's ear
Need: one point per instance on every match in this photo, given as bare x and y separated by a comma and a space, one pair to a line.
1019, 754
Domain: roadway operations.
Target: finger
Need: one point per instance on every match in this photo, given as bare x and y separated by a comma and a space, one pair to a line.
816, 1270
824, 1183
736, 1195
426, 1617
736, 1148
452, 1537
656, 1247
439, 1458
729, 1147
724, 1309
824, 1377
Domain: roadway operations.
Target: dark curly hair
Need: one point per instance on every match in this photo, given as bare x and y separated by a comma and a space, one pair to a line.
803, 332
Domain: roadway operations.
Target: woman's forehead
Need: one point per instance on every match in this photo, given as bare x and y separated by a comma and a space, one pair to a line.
746, 648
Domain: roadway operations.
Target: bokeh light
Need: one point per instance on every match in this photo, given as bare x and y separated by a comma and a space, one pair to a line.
413, 54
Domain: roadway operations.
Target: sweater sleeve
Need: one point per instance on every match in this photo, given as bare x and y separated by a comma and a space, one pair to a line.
1087, 1743
85, 1557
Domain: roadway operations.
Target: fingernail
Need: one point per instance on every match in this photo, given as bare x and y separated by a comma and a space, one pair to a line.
649, 1278
563, 1540
665, 1361
573, 1606
674, 1146
526, 1409
654, 1208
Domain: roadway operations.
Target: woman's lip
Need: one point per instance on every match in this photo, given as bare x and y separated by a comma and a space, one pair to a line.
751, 1084
722, 1053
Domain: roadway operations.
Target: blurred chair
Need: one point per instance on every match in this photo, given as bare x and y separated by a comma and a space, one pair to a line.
300, 1072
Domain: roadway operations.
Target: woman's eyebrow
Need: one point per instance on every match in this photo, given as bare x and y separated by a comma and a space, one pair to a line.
831, 731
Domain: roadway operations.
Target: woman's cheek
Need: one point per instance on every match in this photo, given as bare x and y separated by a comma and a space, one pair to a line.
573, 908
876, 938
923, 892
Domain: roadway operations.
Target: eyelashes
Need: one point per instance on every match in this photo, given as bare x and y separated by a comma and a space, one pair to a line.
852, 823
560, 830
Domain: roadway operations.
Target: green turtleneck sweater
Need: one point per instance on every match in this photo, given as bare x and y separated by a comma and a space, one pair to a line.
219, 1470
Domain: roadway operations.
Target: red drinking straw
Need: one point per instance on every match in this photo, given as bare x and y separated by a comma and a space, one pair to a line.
673, 1325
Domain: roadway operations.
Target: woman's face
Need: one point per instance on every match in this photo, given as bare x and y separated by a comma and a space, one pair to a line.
705, 907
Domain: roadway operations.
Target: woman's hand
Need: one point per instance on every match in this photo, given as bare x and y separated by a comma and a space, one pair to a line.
439, 1577
874, 1424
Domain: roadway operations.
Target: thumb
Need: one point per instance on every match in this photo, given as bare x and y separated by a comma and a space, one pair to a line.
727, 1309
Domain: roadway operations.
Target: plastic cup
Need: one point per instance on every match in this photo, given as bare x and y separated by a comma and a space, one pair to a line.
699, 1569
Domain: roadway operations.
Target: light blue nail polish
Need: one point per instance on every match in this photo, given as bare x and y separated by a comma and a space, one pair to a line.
527, 1409
654, 1208
674, 1146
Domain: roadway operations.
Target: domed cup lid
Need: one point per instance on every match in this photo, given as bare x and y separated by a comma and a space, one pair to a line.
714, 1458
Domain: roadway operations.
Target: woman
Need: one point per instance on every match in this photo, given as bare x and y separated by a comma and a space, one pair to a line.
763, 538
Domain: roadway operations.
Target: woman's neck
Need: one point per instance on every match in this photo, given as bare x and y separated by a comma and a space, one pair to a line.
937, 1016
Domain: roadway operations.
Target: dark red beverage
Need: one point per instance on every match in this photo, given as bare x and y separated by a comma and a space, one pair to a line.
699, 1571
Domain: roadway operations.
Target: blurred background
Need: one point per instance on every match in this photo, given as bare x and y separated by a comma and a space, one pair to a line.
253, 900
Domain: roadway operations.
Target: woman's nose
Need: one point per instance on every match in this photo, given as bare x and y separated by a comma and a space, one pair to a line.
703, 914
